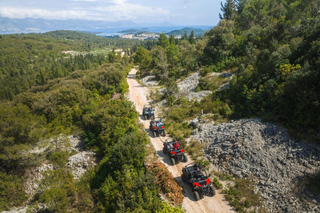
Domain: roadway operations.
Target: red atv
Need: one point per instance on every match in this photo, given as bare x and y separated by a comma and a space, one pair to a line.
199, 180
175, 151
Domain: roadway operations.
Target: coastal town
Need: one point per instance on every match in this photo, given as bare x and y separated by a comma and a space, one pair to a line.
141, 37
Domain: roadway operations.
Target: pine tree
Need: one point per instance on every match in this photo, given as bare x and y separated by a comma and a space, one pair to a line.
172, 39
191, 38
185, 37
163, 41
228, 9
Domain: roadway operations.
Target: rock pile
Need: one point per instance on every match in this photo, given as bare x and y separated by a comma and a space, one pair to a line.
190, 83
149, 80
265, 152
79, 163
34, 177
188, 86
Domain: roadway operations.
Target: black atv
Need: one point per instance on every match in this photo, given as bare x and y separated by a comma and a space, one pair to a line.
176, 153
157, 128
199, 180
148, 112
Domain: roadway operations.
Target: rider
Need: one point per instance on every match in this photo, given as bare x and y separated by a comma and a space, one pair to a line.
176, 145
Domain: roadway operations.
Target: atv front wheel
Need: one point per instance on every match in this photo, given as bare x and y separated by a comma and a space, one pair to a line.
184, 178
164, 133
196, 195
164, 151
173, 161
201, 195
185, 158
212, 191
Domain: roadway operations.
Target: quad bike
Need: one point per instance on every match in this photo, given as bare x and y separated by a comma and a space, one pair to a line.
198, 179
175, 151
148, 112
157, 128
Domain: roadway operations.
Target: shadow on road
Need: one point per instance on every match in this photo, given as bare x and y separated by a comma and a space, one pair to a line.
132, 76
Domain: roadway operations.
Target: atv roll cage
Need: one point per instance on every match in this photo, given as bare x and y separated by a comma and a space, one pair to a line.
198, 179
176, 153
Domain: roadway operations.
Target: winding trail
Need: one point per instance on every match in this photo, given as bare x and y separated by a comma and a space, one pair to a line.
137, 94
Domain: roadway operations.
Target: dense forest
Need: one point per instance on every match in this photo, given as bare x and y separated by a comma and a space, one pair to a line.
80, 100
32, 59
271, 47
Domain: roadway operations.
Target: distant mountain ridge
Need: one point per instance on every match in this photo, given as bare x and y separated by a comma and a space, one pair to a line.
14, 25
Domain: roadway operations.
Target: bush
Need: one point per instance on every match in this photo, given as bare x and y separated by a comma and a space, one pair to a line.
241, 195
11, 191
217, 183
58, 157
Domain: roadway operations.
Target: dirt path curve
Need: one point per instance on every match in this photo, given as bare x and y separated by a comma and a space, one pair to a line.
137, 94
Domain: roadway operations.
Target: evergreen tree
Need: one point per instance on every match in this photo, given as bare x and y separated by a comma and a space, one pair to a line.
172, 40
185, 37
163, 41
240, 5
191, 38
228, 9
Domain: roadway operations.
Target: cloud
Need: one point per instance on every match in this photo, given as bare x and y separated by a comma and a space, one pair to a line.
85, 0
41, 13
186, 3
109, 10
131, 11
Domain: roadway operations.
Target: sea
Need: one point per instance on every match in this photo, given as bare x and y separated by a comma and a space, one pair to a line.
116, 31
164, 29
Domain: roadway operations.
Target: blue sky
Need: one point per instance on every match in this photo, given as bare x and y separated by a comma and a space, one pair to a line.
178, 12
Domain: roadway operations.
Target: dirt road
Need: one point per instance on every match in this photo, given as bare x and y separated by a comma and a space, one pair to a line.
137, 94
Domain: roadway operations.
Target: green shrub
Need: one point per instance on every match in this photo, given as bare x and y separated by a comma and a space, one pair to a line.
55, 198
241, 196
217, 183
11, 191
58, 157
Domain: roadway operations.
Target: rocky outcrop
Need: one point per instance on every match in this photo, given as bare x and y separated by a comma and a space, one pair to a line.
266, 153
190, 83
34, 177
188, 86
79, 163
149, 80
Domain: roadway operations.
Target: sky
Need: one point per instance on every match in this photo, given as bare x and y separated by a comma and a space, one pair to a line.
177, 12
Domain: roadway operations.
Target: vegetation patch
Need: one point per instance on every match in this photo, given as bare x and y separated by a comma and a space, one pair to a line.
217, 183
242, 197
313, 185
11, 191
58, 157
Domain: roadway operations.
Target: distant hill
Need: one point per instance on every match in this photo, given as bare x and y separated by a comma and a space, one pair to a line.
133, 31
14, 25
197, 32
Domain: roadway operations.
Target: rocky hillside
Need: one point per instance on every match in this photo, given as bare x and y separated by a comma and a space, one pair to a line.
279, 165
78, 164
